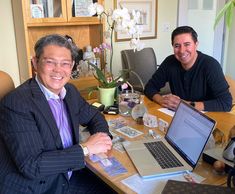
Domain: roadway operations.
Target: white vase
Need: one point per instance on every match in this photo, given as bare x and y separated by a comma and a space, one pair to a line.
106, 96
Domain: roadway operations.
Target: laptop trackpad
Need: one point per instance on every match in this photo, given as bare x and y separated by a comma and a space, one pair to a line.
142, 157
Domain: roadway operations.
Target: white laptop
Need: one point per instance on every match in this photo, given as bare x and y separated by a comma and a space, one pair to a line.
186, 138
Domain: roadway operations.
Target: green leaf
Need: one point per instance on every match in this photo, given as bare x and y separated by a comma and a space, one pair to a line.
222, 12
229, 15
100, 75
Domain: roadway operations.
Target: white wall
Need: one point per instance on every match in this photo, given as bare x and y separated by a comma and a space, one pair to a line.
229, 56
167, 15
8, 56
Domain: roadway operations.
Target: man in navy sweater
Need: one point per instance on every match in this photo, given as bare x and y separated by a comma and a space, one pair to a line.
193, 76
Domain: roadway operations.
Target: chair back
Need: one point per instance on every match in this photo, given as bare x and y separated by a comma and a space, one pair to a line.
6, 84
142, 62
143, 65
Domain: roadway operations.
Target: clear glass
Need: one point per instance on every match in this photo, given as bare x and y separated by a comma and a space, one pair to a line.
127, 101
45, 8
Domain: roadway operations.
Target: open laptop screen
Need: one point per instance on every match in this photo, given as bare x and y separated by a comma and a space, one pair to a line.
189, 132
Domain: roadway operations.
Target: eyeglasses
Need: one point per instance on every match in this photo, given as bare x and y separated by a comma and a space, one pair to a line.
50, 63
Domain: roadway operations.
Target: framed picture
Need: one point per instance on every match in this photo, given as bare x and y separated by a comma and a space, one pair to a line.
148, 18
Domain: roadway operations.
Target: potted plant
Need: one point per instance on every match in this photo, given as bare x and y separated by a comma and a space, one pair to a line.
116, 20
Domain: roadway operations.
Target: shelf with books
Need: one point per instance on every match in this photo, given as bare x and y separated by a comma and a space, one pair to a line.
29, 27
45, 11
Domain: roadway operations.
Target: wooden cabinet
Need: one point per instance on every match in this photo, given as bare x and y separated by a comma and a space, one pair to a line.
31, 24
83, 84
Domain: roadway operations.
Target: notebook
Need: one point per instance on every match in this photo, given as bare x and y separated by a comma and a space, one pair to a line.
185, 139
179, 187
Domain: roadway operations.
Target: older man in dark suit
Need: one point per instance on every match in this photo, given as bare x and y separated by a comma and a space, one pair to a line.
39, 129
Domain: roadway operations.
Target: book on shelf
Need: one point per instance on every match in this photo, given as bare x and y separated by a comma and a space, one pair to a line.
81, 8
37, 11
50, 8
45, 6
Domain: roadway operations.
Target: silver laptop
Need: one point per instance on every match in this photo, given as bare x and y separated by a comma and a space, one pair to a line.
183, 144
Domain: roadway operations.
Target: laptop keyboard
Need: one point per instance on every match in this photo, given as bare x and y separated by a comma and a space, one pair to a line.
163, 155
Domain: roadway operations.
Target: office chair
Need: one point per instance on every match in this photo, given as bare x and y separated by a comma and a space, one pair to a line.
6, 84
142, 65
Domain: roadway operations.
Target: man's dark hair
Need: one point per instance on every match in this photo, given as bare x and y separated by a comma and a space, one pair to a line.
183, 30
54, 39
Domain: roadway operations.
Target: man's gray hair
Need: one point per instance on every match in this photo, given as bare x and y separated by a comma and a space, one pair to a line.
55, 39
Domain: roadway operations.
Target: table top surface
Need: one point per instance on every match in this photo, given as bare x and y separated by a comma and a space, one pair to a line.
225, 121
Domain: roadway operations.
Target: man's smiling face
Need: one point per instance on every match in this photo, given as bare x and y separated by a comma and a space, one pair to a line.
54, 67
185, 50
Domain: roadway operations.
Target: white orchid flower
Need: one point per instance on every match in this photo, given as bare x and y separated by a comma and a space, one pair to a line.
120, 14
125, 13
99, 9
131, 27
119, 20
95, 8
136, 44
139, 29
120, 25
136, 16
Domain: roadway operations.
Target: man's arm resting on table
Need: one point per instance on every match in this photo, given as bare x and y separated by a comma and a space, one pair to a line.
172, 101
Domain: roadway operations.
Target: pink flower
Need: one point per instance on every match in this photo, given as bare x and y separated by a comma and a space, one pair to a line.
106, 46
124, 86
96, 50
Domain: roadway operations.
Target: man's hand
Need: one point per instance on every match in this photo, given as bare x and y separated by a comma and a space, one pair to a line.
169, 101
98, 143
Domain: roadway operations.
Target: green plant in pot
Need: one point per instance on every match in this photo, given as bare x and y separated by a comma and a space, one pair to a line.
116, 20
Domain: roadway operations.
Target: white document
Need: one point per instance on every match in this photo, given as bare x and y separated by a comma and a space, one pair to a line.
155, 185
170, 112
167, 111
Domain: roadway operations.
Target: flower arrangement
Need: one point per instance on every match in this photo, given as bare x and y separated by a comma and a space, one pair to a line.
117, 20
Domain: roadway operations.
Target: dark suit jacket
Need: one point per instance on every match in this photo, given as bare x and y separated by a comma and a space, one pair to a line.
32, 159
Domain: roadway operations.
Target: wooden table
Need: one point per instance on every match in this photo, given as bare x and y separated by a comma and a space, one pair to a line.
224, 122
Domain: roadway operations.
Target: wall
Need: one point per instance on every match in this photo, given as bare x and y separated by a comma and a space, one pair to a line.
229, 55
167, 15
8, 56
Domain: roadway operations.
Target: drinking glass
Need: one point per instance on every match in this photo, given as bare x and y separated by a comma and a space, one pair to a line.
127, 100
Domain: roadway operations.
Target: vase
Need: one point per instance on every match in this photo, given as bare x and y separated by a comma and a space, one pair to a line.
106, 96
127, 101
